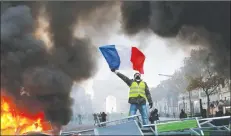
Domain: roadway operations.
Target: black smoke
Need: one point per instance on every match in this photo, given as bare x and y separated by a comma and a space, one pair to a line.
72, 55
27, 66
193, 21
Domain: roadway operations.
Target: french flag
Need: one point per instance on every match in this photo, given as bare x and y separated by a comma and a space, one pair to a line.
121, 57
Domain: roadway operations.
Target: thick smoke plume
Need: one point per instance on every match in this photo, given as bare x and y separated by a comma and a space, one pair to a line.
36, 79
192, 21
71, 55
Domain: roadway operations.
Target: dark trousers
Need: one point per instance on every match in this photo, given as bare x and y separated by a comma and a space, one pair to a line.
152, 122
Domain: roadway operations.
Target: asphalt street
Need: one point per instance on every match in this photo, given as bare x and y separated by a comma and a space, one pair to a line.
77, 127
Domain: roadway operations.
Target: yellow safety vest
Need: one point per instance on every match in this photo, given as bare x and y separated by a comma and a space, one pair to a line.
137, 90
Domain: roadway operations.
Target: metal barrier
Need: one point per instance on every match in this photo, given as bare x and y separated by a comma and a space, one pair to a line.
215, 118
118, 121
212, 129
126, 128
188, 124
102, 124
183, 126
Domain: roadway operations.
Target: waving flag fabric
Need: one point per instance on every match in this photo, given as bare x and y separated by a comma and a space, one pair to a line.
119, 57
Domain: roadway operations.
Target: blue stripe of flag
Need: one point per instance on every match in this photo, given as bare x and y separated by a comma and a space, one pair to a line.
111, 55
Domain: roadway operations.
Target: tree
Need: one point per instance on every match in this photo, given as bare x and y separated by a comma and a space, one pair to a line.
170, 89
206, 78
179, 80
158, 92
208, 86
198, 72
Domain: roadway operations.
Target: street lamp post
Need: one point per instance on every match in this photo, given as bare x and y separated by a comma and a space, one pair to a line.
190, 103
165, 75
183, 104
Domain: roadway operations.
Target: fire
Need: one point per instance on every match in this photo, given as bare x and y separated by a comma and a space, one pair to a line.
15, 122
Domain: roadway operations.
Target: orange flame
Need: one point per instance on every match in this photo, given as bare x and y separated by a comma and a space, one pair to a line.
14, 122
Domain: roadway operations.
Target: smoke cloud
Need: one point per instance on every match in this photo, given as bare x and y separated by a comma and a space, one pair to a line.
194, 22
38, 79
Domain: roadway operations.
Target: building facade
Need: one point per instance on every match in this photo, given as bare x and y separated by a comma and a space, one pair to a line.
115, 88
222, 97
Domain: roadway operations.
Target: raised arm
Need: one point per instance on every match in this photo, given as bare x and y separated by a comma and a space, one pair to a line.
148, 95
127, 80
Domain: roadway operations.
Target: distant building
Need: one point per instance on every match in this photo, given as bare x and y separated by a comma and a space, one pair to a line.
184, 102
116, 88
222, 98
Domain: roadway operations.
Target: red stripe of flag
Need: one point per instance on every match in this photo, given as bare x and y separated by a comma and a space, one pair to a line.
137, 59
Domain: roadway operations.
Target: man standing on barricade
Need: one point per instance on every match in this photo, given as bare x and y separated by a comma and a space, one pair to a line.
138, 95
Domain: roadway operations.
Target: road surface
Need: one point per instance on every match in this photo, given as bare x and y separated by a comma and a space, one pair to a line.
77, 127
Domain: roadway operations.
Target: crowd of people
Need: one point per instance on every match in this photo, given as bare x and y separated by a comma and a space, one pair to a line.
153, 116
219, 113
99, 118
102, 117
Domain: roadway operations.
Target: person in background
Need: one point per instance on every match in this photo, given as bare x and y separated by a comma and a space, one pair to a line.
100, 117
227, 121
138, 95
183, 114
154, 116
103, 115
219, 113
80, 119
227, 113
95, 118
220, 122
203, 114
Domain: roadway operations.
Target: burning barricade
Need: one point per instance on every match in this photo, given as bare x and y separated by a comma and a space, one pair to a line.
16, 122
38, 77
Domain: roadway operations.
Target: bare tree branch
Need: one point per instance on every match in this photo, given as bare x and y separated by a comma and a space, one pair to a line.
214, 89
